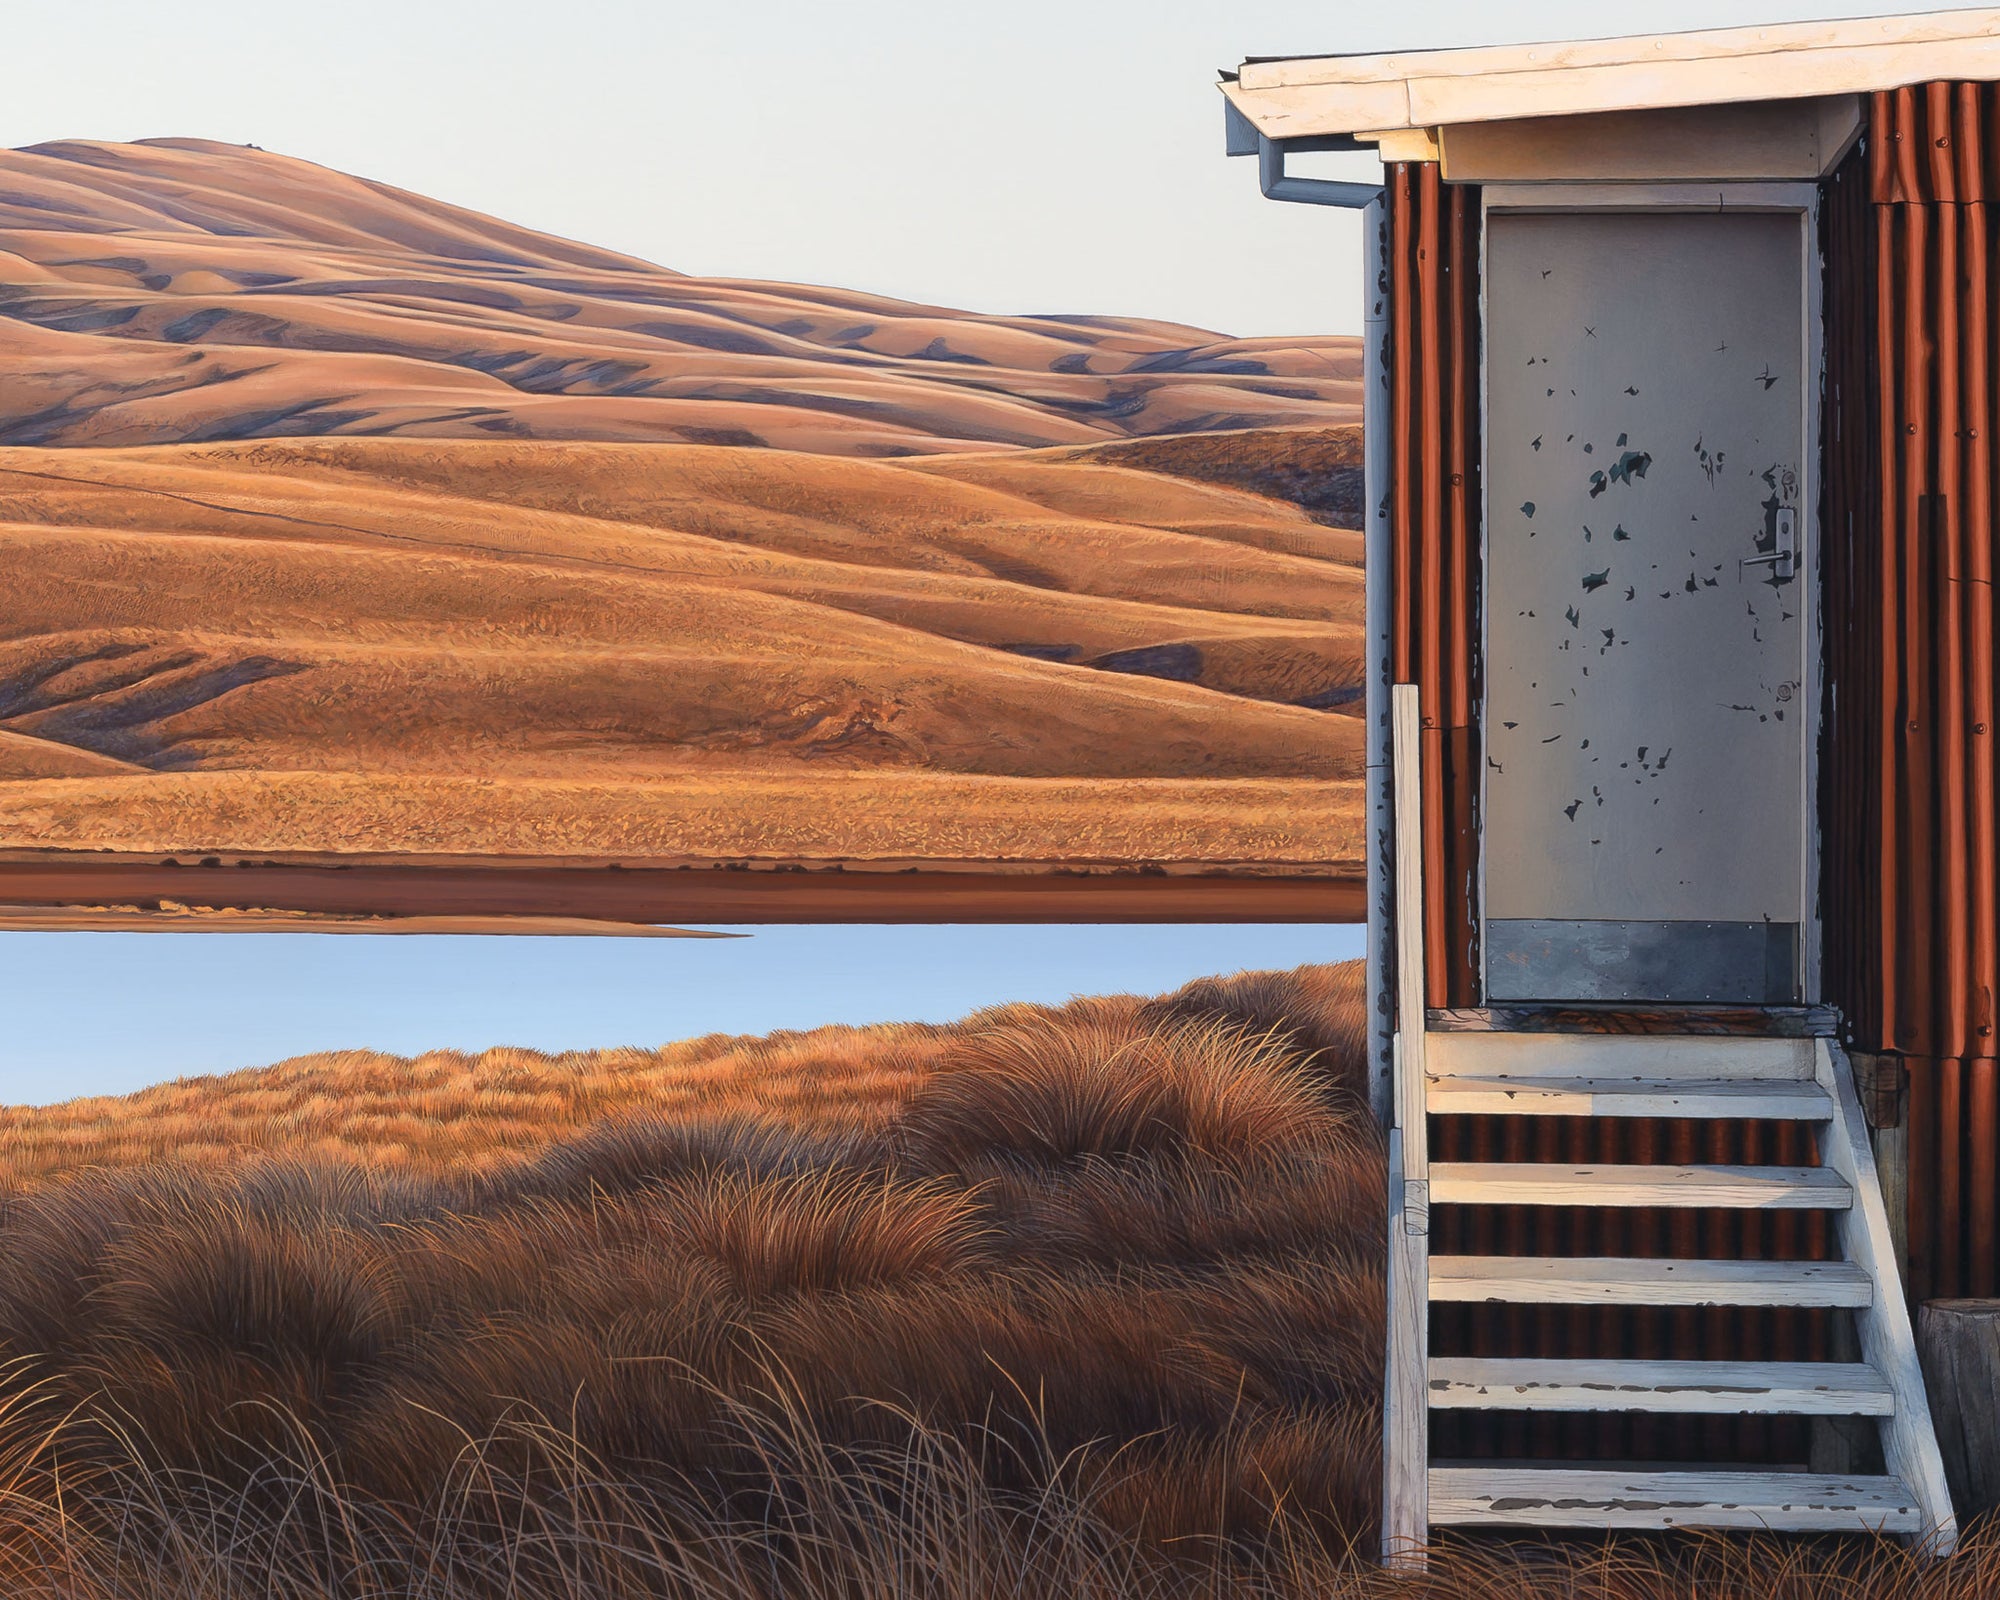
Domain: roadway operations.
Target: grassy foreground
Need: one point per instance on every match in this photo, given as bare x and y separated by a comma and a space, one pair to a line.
1081, 1301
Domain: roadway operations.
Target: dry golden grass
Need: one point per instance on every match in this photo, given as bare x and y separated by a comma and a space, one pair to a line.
1079, 1301
447, 1114
1053, 1301
1032, 1234
447, 1111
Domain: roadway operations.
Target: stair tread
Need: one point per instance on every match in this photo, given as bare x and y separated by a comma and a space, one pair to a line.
1536, 1183
1575, 1497
1771, 1388
1638, 1280
1617, 1055
1781, 1099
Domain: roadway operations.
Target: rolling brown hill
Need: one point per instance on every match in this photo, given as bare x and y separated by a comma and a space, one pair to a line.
181, 290
342, 524
674, 652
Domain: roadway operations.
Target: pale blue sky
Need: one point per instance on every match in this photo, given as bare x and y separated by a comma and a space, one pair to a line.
101, 1013
1002, 155
1032, 155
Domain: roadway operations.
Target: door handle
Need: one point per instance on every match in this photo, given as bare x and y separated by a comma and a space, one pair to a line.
1784, 560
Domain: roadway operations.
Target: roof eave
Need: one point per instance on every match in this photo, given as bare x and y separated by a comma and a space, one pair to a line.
1348, 95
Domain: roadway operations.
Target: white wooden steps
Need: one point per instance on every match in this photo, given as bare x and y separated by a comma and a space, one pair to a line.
1539, 1183
1537, 1075
1743, 1078
1611, 1280
1774, 1101
1765, 1388
1541, 1497
1627, 1071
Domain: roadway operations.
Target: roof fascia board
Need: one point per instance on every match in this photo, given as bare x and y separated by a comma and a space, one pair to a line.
1927, 28
1309, 112
1661, 84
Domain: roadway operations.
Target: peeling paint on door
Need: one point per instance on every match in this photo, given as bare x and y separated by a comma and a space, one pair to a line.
1674, 344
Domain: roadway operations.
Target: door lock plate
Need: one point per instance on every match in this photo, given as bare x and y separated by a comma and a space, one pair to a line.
1783, 560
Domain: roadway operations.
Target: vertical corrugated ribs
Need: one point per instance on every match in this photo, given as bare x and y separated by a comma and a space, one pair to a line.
1911, 896
1434, 534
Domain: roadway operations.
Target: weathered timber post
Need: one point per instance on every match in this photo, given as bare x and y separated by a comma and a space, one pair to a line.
1958, 1342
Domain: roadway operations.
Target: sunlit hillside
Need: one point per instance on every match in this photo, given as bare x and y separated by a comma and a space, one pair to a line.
670, 652
340, 521
179, 289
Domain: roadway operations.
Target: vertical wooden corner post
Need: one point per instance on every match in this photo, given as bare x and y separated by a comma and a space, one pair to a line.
1406, 1398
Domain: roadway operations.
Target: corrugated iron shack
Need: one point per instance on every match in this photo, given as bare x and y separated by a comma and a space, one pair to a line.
1684, 374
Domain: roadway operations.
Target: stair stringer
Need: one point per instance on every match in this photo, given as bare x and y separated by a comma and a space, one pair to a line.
1888, 1341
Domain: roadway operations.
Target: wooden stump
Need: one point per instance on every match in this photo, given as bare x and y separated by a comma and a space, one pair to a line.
1959, 1344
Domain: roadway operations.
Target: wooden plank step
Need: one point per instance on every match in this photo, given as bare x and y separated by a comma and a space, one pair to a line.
1570, 1497
1776, 1099
1638, 1281
1730, 1388
1537, 1183
1616, 1055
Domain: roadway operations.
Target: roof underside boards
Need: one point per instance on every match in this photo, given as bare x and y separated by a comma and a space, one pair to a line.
1322, 95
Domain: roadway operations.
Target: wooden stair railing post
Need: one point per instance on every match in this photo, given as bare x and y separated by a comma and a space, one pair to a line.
1406, 1396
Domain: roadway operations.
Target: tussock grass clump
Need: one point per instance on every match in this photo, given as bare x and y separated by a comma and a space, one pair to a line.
1082, 1300
1063, 1094
1022, 1246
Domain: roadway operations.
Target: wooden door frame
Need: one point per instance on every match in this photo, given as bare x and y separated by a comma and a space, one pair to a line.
1803, 201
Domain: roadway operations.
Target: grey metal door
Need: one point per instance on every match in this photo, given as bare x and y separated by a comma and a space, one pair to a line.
1647, 704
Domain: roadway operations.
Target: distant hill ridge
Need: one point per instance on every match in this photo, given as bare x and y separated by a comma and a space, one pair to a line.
180, 290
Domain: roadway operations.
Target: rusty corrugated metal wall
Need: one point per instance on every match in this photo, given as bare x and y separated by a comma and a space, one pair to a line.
1911, 805
1434, 541
1911, 899
1911, 888
1953, 1193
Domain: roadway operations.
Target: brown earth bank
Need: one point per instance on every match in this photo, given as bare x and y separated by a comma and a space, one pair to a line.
179, 289
1080, 1300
